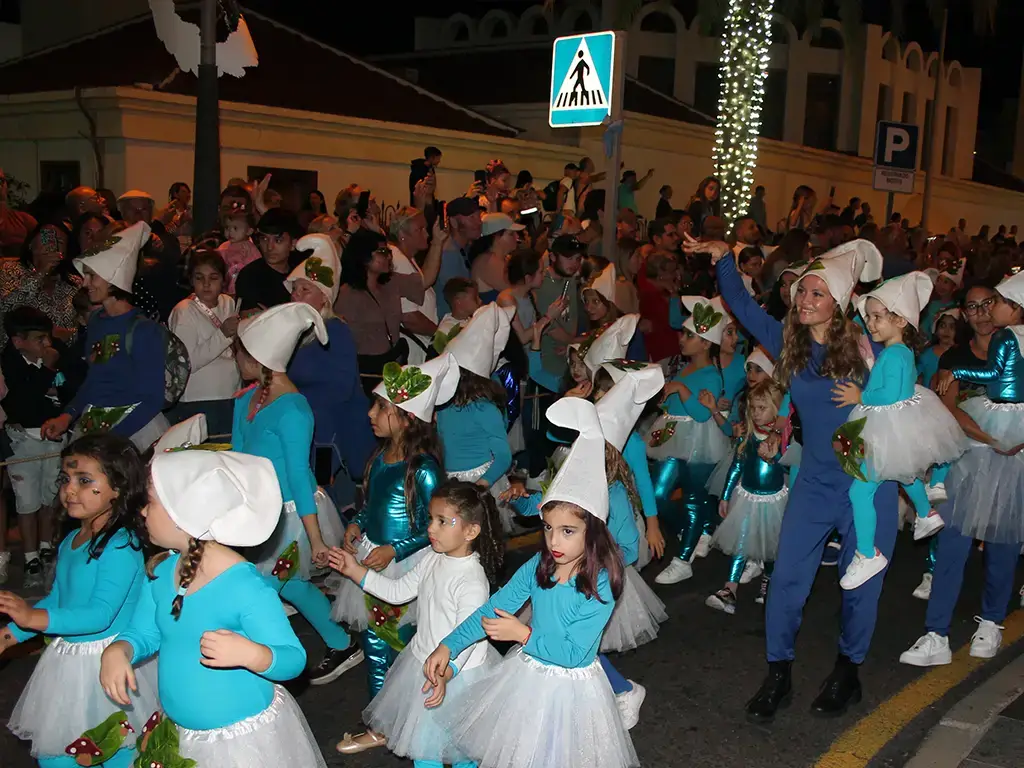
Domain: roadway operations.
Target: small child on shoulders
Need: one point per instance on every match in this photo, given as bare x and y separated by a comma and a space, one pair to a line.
238, 250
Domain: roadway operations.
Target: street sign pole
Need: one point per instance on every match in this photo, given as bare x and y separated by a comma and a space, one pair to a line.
609, 241
889, 205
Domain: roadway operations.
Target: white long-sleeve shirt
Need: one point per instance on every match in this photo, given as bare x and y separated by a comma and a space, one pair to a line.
214, 374
449, 590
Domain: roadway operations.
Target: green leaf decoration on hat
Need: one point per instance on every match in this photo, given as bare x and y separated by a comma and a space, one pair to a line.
661, 436
287, 562
99, 248
403, 384
815, 266
953, 269
441, 339
97, 745
848, 444
201, 447
318, 272
627, 365
706, 317
589, 338
102, 419
159, 746
384, 619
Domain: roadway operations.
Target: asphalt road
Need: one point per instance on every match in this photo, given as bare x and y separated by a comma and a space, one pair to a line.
698, 675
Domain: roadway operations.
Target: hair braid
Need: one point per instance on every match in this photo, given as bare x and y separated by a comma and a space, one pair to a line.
490, 544
268, 376
189, 568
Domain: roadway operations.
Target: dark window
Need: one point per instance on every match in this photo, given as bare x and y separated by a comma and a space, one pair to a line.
773, 108
583, 23
658, 22
500, 29
294, 185
10, 11
657, 72
539, 26
59, 175
821, 121
705, 91
461, 34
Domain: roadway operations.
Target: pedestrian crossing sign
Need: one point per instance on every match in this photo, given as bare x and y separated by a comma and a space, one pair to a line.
581, 80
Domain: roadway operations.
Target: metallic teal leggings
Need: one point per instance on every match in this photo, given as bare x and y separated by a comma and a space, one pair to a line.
738, 563
380, 656
692, 514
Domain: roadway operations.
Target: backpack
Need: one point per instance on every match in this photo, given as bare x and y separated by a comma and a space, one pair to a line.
551, 195
176, 363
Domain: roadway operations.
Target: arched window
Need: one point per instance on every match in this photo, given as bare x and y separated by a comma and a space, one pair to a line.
539, 26
583, 23
460, 33
499, 29
827, 37
658, 22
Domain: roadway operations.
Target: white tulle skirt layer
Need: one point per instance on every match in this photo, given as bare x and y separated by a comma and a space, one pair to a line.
901, 441
644, 553
753, 524
1003, 421
412, 730
278, 736
986, 496
532, 715
349, 607
636, 617
681, 437
290, 529
499, 487
716, 483
63, 698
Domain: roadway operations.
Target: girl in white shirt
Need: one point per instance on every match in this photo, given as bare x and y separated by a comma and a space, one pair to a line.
450, 582
206, 322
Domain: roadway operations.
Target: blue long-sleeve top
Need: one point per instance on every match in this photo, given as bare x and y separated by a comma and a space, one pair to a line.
753, 473
92, 599
708, 377
199, 697
282, 432
927, 366
384, 518
1003, 374
821, 480
734, 377
328, 377
473, 435
635, 454
567, 626
117, 378
893, 377
540, 374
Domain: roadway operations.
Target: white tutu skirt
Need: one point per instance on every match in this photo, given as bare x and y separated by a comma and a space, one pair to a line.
278, 736
901, 441
349, 607
63, 698
499, 487
412, 730
644, 554
1003, 421
986, 496
636, 617
532, 715
681, 437
716, 483
753, 524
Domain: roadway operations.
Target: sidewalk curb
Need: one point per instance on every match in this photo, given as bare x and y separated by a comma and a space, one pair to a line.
956, 735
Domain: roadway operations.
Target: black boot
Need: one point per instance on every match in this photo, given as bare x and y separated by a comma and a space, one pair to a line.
776, 691
839, 691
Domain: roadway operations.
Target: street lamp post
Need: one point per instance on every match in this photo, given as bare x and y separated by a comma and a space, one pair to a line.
207, 156
938, 119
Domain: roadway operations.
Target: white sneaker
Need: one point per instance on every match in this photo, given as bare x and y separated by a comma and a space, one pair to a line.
629, 704
703, 548
1022, 597
5, 561
931, 650
926, 526
924, 589
986, 639
678, 570
751, 571
936, 493
861, 569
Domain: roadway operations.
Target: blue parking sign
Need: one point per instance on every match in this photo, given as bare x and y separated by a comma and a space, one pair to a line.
581, 80
896, 145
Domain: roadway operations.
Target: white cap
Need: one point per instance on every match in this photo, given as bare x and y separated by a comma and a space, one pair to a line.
418, 389
604, 283
953, 312
1012, 288
609, 344
480, 343
322, 268
843, 267
622, 405
954, 275
231, 498
271, 336
136, 194
760, 358
186, 434
905, 296
492, 223
708, 317
581, 480
117, 257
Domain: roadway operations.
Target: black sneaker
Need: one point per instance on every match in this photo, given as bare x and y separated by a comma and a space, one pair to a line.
762, 595
336, 663
33, 573
722, 600
49, 556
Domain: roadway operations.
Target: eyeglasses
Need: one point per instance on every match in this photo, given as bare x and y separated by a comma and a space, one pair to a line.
981, 307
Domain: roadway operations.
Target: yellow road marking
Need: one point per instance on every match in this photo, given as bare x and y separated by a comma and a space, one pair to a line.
859, 744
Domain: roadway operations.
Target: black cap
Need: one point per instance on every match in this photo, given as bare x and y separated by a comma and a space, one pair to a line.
567, 244
463, 206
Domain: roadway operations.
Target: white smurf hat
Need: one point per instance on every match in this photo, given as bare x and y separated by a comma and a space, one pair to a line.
231, 498
1013, 288
905, 296
610, 344
322, 267
953, 312
480, 343
760, 358
186, 434
136, 194
271, 336
117, 257
955, 274
417, 389
622, 405
604, 283
581, 480
843, 267
708, 317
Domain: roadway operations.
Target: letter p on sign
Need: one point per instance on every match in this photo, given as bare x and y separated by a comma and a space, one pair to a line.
896, 140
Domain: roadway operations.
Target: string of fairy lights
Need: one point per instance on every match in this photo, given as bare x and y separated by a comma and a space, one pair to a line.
745, 44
